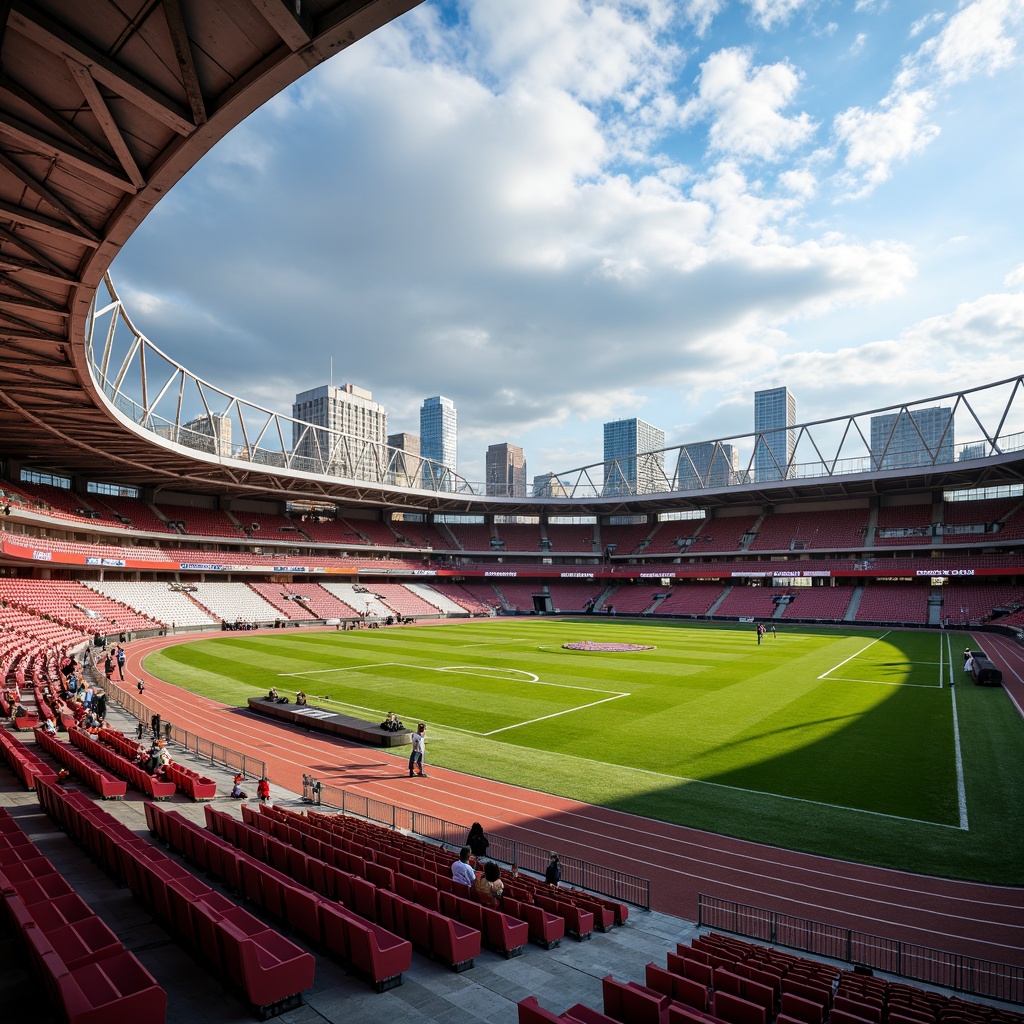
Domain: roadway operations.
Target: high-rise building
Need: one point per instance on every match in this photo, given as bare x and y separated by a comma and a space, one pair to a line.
406, 463
439, 440
633, 465
210, 433
547, 485
347, 433
506, 470
707, 464
917, 437
774, 414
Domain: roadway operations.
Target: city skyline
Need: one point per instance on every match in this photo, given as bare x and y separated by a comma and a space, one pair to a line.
677, 204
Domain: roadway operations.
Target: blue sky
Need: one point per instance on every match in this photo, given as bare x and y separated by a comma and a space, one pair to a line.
559, 212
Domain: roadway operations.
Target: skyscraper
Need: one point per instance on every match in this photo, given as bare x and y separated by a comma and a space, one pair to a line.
506, 470
632, 464
915, 437
774, 412
547, 485
405, 459
439, 439
351, 424
707, 464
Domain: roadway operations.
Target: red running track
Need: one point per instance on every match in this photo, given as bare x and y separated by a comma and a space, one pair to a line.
985, 921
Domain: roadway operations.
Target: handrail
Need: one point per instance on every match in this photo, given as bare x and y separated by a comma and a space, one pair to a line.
160, 396
955, 971
216, 753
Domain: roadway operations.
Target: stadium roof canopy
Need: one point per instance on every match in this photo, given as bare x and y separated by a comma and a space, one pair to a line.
104, 106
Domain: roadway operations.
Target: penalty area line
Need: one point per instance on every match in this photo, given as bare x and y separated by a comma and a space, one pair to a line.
855, 655
556, 714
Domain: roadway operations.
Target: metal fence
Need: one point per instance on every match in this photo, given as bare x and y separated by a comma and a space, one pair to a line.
955, 971
615, 884
207, 750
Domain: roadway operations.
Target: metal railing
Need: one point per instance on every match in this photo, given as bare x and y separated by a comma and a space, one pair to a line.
955, 971
206, 750
617, 885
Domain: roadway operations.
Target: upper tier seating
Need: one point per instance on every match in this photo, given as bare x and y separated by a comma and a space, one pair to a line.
669, 534
627, 539
269, 527
916, 520
139, 514
373, 533
422, 535
202, 522
827, 530
724, 533
58, 502
519, 536
566, 537
473, 537
328, 531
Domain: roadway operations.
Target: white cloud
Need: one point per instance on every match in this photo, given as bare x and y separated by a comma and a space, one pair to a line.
1015, 278
870, 6
768, 13
701, 13
743, 104
858, 43
975, 40
874, 140
933, 18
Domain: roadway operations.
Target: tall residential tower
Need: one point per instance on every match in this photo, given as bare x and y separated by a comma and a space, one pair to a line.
774, 414
630, 466
439, 440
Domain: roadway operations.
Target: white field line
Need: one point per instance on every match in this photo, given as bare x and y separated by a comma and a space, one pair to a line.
556, 714
475, 670
879, 682
940, 660
961, 791
496, 643
856, 655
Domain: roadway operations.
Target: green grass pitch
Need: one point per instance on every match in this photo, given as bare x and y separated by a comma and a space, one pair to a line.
850, 743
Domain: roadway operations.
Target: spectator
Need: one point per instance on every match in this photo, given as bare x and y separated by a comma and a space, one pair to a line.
119, 657
488, 888
477, 841
263, 790
462, 870
553, 872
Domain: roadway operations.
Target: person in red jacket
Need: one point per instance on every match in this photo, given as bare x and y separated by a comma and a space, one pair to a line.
263, 790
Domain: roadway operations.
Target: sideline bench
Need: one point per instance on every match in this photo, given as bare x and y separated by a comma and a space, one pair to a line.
308, 716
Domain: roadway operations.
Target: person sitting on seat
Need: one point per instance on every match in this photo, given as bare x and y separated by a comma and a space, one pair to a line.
237, 793
488, 888
273, 693
300, 698
462, 870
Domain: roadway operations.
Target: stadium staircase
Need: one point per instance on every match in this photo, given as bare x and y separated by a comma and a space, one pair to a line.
751, 535
869, 534
714, 608
851, 608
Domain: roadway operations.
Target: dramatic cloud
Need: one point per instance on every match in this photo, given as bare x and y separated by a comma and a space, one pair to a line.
558, 212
